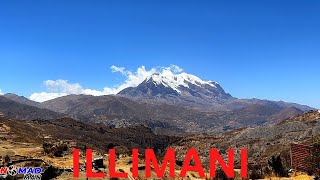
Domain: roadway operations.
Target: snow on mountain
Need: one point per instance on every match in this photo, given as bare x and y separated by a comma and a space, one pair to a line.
178, 87
174, 81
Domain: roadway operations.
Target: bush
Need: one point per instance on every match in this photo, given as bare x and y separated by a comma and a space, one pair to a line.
276, 164
55, 150
314, 161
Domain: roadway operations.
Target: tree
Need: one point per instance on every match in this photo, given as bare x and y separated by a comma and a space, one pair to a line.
314, 160
6, 159
277, 166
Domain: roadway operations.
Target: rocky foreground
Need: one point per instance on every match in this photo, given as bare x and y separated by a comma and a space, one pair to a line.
50, 143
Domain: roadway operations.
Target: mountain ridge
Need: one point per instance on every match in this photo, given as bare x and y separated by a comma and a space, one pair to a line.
163, 102
12, 109
22, 100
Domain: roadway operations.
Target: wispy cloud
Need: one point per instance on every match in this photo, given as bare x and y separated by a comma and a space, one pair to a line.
60, 87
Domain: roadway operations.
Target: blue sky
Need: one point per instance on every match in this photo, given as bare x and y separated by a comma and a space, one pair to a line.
266, 49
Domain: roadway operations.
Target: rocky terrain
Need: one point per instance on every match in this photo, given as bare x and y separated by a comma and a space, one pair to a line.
52, 141
13, 109
162, 118
97, 136
262, 142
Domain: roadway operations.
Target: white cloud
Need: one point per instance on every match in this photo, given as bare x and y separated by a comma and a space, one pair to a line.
58, 88
117, 69
1, 92
63, 86
45, 96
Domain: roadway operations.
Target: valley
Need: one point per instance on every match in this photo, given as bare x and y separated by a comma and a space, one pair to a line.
180, 112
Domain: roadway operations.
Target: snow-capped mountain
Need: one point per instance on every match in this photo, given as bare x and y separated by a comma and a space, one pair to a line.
181, 87
188, 90
176, 81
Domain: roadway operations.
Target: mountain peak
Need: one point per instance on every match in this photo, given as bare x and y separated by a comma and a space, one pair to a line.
175, 87
175, 81
21, 99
